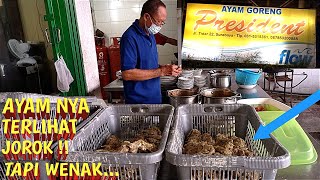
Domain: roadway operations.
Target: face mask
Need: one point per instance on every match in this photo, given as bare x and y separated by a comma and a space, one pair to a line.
154, 29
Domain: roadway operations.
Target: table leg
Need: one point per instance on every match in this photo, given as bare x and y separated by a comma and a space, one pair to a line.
291, 87
110, 97
269, 84
285, 87
264, 81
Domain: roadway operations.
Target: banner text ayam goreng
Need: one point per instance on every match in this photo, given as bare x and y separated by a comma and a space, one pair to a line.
263, 35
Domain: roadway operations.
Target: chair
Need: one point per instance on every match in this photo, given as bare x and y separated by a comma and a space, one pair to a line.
276, 76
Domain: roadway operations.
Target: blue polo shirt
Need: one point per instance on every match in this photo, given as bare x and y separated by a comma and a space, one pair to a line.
138, 50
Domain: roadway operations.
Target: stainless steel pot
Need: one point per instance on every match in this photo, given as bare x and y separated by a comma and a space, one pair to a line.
220, 80
182, 96
225, 71
219, 96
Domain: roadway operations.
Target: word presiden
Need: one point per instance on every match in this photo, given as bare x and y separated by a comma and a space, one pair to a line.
269, 25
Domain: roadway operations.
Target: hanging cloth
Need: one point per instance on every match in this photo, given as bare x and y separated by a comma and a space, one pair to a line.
64, 77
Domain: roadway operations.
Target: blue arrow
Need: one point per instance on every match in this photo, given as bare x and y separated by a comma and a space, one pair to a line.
265, 131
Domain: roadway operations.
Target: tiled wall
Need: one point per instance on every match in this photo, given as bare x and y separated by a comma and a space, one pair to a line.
113, 17
309, 86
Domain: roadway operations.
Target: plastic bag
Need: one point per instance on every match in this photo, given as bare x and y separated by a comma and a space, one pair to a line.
64, 77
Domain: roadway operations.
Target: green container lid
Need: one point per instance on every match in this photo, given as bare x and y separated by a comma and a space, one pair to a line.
293, 138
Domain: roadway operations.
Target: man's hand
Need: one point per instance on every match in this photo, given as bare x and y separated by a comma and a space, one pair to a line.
176, 70
170, 70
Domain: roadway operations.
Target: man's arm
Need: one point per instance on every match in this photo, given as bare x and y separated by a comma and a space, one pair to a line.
142, 74
173, 42
162, 40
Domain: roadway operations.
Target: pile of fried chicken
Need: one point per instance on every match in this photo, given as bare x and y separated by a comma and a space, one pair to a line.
146, 141
197, 143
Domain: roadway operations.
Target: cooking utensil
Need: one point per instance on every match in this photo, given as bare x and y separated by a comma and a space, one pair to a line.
168, 80
200, 81
247, 77
220, 80
219, 96
226, 71
181, 96
197, 72
187, 73
185, 82
247, 86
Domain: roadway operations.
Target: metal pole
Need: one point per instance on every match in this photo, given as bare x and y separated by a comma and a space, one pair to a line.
286, 3
301, 4
179, 19
254, 3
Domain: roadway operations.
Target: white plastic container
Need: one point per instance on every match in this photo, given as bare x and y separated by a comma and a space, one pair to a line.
265, 104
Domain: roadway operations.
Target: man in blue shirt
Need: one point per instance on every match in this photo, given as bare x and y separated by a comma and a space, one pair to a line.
139, 56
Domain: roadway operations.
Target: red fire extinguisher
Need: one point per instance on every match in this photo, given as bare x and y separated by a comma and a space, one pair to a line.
103, 64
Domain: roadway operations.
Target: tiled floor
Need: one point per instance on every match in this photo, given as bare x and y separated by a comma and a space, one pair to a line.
309, 119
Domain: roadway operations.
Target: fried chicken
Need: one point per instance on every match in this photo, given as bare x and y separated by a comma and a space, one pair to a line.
223, 150
150, 135
207, 148
238, 142
141, 146
191, 148
194, 135
146, 141
207, 138
197, 143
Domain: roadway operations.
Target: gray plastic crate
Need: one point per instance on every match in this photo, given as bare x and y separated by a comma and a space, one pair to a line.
124, 121
238, 120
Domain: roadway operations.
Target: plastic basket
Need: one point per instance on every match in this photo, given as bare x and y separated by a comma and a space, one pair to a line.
247, 77
238, 120
124, 121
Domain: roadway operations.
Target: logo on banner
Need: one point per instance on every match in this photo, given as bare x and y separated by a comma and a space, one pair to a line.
296, 56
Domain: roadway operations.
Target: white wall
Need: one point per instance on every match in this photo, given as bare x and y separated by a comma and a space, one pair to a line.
113, 17
309, 86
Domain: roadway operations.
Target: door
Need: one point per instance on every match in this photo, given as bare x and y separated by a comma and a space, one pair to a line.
64, 36
11, 80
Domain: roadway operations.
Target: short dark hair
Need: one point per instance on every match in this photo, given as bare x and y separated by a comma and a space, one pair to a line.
151, 7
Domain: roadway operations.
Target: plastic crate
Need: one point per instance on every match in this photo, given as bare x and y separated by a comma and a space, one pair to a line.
239, 120
124, 121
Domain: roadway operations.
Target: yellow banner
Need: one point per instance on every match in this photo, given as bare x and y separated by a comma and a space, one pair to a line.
238, 25
243, 27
